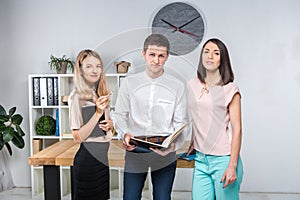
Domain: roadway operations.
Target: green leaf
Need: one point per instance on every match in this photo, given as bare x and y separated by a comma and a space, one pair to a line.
17, 119
2, 110
20, 131
18, 141
12, 111
8, 134
4, 118
2, 127
8, 148
1, 143
10, 129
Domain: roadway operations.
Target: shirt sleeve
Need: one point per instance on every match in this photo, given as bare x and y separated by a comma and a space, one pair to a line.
180, 118
230, 90
122, 109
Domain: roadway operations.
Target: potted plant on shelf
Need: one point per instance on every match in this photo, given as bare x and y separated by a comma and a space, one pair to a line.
10, 130
45, 125
61, 64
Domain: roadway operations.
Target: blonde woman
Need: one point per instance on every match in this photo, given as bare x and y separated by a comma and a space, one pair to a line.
91, 127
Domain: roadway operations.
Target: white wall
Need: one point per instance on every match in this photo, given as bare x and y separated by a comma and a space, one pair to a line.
263, 38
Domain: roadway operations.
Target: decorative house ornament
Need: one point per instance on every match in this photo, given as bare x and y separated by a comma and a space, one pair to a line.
122, 66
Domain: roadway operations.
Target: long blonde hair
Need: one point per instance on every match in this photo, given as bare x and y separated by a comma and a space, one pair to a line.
84, 91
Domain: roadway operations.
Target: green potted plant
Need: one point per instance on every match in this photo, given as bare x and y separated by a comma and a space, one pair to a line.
61, 64
10, 130
45, 125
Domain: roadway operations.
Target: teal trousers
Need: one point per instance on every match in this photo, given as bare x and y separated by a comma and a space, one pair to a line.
208, 172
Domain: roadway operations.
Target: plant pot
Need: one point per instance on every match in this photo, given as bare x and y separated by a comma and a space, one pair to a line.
6, 181
63, 68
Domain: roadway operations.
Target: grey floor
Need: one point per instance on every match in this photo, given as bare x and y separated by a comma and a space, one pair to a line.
25, 194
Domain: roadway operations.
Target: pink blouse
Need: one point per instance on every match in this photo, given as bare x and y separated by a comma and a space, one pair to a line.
210, 115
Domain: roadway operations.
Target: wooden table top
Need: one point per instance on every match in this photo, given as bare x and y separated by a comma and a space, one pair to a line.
47, 156
115, 155
66, 158
63, 152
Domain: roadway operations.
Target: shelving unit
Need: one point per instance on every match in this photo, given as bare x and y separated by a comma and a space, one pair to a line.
39, 142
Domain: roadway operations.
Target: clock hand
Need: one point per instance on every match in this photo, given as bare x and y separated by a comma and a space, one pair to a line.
179, 29
183, 31
189, 33
176, 28
188, 22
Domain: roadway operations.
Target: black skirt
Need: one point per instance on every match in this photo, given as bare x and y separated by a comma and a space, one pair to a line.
91, 172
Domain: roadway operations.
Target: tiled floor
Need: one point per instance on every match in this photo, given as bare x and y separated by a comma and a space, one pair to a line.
25, 194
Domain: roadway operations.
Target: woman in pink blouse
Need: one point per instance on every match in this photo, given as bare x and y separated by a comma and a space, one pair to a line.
214, 102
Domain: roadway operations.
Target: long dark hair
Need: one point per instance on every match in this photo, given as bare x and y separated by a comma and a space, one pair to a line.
225, 66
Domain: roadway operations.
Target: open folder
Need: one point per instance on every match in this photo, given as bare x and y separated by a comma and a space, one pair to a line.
165, 144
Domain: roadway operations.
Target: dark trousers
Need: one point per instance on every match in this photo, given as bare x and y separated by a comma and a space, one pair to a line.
162, 175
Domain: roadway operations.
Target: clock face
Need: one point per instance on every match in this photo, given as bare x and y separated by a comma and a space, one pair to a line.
182, 24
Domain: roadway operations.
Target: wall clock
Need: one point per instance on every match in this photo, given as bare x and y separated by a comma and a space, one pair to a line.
182, 24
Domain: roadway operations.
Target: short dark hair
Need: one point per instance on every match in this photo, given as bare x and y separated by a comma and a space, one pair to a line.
225, 66
158, 40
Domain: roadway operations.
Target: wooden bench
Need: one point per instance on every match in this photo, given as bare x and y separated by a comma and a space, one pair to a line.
63, 152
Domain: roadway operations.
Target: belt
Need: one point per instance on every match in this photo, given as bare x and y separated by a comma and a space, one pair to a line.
153, 139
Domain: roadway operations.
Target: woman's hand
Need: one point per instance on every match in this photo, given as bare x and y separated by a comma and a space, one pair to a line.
101, 103
191, 148
165, 152
106, 125
229, 176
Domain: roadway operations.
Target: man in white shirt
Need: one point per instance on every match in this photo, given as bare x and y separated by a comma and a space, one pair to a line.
151, 103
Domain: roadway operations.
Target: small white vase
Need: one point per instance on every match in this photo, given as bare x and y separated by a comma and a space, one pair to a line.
6, 181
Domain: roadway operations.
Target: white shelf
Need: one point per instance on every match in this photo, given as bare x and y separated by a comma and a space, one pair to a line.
65, 86
45, 137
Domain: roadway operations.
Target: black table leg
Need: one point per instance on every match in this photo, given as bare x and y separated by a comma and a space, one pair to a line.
72, 183
52, 182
